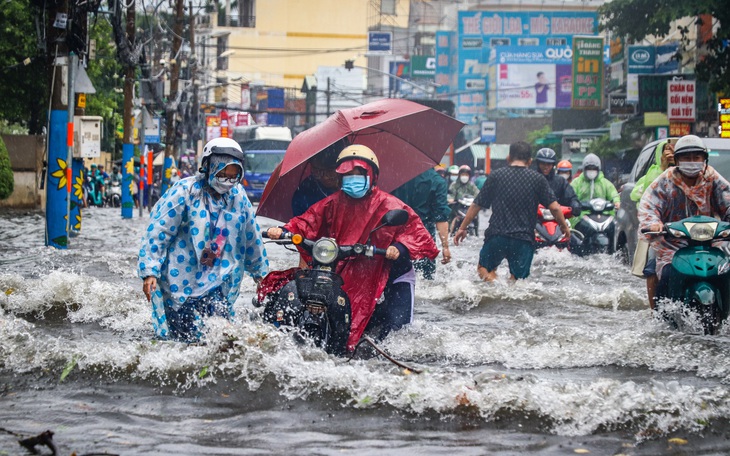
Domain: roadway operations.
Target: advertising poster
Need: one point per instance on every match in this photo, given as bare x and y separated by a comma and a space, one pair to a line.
481, 31
531, 77
587, 72
444, 65
681, 101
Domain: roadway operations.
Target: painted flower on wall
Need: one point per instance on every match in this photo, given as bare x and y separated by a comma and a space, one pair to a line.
60, 173
78, 186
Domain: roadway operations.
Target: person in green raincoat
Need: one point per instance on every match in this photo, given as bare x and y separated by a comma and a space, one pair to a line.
663, 159
593, 184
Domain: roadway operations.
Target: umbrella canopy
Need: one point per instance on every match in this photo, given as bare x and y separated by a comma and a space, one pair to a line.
407, 137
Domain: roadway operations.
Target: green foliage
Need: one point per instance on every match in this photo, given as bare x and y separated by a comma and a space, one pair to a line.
23, 71
534, 135
7, 182
7, 128
106, 73
637, 19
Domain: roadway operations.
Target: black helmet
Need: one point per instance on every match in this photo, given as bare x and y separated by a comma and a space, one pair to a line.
546, 155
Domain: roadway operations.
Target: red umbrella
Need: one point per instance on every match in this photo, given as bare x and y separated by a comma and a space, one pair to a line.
407, 137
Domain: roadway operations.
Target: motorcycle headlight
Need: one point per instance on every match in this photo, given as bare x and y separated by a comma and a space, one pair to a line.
598, 205
325, 251
547, 215
702, 232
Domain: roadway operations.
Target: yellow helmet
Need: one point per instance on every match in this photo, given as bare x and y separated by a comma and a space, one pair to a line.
354, 153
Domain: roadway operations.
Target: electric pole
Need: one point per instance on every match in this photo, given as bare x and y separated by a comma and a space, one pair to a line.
172, 101
128, 140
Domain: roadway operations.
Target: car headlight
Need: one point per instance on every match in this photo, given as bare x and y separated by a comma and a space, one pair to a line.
702, 232
325, 251
598, 204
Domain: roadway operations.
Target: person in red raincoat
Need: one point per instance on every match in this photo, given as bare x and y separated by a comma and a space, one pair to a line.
348, 216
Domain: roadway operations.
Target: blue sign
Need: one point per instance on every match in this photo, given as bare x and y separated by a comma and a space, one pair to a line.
665, 61
641, 59
380, 42
489, 131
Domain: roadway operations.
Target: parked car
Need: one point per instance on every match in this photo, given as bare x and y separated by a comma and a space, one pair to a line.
627, 222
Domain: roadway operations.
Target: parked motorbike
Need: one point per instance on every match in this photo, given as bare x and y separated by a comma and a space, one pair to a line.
594, 233
460, 208
312, 300
547, 230
701, 281
114, 194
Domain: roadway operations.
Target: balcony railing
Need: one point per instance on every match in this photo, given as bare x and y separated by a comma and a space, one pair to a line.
237, 20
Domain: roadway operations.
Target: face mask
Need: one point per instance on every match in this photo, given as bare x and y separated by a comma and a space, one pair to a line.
463, 179
691, 169
591, 175
565, 175
452, 177
355, 186
221, 185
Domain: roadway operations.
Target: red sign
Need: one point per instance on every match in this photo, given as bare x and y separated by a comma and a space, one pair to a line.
679, 129
681, 101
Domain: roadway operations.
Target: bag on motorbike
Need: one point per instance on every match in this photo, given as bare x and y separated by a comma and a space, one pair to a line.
273, 282
641, 255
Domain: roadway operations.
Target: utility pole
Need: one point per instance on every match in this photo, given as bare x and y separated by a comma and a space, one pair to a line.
172, 102
128, 140
328, 98
195, 109
59, 167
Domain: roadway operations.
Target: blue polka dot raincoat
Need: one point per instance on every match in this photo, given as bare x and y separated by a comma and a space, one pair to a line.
186, 221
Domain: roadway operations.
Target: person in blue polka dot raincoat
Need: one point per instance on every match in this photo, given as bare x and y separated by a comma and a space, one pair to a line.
202, 237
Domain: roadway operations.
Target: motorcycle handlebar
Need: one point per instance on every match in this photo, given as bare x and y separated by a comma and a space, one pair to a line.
379, 251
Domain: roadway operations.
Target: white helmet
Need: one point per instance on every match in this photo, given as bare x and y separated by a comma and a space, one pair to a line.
221, 146
688, 144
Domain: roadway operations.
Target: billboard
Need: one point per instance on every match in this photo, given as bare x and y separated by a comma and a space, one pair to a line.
530, 77
445, 61
588, 73
480, 31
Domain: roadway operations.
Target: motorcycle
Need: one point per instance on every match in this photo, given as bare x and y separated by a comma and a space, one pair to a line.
312, 300
594, 233
114, 194
547, 231
460, 208
93, 196
700, 281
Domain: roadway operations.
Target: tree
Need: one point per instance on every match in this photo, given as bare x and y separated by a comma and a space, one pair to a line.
637, 19
6, 172
106, 73
23, 71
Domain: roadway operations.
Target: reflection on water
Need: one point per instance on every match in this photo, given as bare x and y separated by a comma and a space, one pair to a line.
569, 359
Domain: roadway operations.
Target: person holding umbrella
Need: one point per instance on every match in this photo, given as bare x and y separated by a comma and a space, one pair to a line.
349, 215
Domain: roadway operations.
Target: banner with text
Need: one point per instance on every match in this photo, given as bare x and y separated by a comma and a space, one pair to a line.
587, 72
681, 101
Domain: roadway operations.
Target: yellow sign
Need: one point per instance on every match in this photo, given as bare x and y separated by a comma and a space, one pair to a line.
82, 100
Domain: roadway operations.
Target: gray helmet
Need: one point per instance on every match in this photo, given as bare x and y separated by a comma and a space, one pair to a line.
689, 144
592, 160
546, 155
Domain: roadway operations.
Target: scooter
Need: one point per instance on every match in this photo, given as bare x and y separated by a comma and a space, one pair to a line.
114, 194
594, 233
461, 207
312, 300
547, 231
700, 280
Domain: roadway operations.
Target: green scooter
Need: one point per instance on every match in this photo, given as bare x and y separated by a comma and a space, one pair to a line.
700, 277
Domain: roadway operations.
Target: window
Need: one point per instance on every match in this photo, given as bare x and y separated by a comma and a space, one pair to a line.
387, 7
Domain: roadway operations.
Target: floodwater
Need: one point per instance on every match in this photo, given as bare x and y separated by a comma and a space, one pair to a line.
570, 361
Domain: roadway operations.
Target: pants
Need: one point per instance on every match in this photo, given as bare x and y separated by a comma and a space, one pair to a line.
396, 308
186, 323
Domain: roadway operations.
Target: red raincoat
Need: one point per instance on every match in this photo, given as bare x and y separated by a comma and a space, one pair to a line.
349, 221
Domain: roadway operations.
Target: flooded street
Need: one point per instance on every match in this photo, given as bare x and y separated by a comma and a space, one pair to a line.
569, 361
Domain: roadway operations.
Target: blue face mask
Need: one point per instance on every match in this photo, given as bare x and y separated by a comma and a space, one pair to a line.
355, 186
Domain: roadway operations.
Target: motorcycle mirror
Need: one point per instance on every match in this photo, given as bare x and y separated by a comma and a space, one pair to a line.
395, 217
